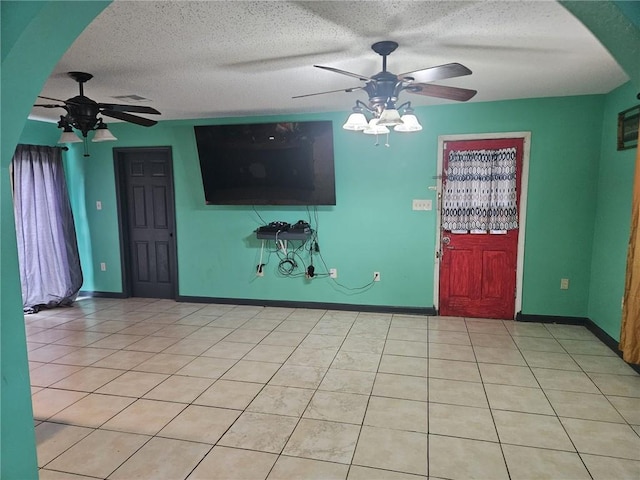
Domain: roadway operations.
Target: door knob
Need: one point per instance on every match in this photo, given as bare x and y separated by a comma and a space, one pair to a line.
446, 240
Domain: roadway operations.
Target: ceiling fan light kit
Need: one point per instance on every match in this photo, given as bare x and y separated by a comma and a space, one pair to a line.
356, 121
389, 117
374, 128
68, 135
384, 89
409, 123
102, 133
82, 115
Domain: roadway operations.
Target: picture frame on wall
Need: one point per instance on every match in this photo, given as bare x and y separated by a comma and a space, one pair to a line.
628, 123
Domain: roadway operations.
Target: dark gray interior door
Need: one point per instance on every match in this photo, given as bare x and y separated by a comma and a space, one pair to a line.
149, 219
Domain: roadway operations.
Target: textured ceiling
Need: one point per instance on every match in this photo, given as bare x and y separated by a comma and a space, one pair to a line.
212, 59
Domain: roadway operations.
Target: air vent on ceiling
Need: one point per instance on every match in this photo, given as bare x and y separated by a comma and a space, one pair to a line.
133, 98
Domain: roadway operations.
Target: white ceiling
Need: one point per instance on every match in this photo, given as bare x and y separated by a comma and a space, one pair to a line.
213, 59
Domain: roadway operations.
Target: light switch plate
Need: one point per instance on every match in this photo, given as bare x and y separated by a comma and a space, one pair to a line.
422, 204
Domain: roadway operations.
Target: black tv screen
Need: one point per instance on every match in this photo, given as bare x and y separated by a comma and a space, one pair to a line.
286, 163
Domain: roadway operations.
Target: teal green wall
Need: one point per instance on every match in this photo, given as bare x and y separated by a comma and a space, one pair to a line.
32, 42
631, 10
372, 227
613, 217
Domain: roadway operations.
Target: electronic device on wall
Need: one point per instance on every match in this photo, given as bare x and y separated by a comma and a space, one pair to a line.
300, 226
282, 231
275, 227
279, 230
284, 163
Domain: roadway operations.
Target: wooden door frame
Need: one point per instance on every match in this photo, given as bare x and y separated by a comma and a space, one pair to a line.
522, 206
123, 228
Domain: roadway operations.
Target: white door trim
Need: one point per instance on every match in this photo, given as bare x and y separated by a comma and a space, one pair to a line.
524, 182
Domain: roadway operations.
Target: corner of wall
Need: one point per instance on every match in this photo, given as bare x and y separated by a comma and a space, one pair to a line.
612, 218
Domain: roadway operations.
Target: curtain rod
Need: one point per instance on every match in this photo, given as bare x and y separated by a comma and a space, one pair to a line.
65, 148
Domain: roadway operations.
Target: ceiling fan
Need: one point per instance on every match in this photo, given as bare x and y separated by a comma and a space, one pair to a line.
82, 113
384, 88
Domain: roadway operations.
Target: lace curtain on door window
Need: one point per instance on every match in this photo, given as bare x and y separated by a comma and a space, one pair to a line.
480, 190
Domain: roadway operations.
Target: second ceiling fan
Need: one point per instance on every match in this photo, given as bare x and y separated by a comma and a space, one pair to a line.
83, 114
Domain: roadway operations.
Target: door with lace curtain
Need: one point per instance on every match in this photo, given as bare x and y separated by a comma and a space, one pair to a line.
479, 227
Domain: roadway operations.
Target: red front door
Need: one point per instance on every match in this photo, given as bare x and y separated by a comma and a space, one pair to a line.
478, 270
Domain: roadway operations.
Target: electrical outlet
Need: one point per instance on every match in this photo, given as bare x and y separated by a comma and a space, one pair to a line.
98, 205
260, 270
422, 204
333, 272
376, 276
564, 284
103, 266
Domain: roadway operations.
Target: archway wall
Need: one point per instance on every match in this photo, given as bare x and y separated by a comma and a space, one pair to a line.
34, 37
617, 26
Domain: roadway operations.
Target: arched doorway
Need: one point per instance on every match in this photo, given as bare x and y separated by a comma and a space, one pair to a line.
26, 64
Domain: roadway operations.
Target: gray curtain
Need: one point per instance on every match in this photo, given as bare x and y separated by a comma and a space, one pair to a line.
47, 247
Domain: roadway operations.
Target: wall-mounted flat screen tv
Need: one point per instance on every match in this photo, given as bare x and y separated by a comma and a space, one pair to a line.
286, 163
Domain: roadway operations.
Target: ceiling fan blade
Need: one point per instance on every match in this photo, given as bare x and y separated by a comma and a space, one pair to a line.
441, 91
49, 98
348, 90
145, 122
344, 72
48, 105
432, 74
129, 108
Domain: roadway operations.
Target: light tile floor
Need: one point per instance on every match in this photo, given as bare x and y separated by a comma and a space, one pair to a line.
155, 389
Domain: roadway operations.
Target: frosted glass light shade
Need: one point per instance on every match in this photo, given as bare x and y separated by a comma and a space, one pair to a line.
356, 121
374, 128
389, 117
103, 135
409, 124
69, 136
